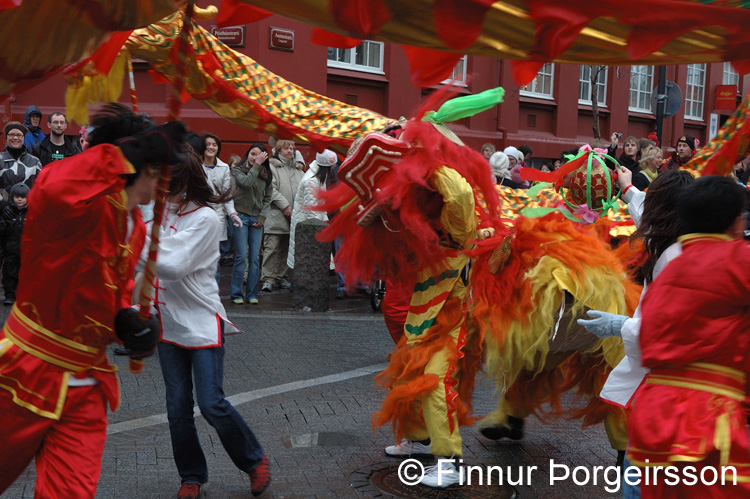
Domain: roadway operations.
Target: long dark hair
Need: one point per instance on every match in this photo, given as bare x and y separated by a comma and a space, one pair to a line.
115, 121
265, 173
660, 225
190, 176
322, 175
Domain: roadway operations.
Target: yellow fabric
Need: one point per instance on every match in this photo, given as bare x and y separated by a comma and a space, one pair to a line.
527, 342
435, 409
94, 88
433, 289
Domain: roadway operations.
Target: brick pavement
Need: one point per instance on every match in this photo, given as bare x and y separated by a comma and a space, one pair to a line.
281, 347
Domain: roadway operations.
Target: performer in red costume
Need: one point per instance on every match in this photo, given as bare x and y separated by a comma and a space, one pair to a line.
83, 236
695, 340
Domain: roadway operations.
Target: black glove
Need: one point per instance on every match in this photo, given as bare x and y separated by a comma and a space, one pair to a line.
155, 146
139, 338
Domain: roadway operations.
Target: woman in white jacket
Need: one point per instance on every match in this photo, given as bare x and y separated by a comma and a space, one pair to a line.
193, 323
220, 181
658, 223
313, 180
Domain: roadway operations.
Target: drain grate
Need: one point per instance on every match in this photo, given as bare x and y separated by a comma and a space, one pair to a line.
382, 479
321, 439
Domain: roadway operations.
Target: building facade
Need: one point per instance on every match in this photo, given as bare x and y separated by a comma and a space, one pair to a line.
550, 114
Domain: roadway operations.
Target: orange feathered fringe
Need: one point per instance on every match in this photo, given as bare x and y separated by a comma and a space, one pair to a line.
407, 382
399, 253
507, 296
503, 302
540, 393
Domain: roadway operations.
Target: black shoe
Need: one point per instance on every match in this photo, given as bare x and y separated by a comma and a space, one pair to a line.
513, 432
8, 302
340, 294
120, 350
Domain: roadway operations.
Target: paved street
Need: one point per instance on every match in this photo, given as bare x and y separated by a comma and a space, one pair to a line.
304, 382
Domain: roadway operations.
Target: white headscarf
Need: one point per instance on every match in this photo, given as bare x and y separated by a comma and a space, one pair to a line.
512, 151
499, 164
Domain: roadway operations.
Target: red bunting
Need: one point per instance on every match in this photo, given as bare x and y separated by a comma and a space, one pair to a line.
458, 22
105, 55
9, 4
525, 71
556, 177
360, 17
429, 67
329, 39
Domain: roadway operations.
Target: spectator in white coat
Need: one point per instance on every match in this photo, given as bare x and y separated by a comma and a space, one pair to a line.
220, 180
313, 181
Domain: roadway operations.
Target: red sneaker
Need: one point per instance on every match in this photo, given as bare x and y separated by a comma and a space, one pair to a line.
189, 491
260, 477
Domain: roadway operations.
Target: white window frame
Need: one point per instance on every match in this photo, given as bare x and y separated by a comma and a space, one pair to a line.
535, 88
644, 76
353, 66
584, 86
730, 76
695, 91
458, 76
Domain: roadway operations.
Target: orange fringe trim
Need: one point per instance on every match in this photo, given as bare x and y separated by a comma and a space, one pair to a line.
583, 372
500, 299
407, 382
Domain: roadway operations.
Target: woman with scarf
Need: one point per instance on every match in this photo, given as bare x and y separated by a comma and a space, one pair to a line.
649, 170
500, 166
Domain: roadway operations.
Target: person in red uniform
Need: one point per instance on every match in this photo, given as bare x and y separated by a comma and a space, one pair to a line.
81, 242
695, 339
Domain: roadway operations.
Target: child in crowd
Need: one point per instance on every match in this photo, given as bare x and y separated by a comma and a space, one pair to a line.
11, 227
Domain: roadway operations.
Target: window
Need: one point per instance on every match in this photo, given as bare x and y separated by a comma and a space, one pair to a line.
694, 90
641, 85
730, 76
367, 56
541, 86
458, 76
584, 88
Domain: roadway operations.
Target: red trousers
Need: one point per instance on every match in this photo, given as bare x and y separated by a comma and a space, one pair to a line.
395, 308
68, 452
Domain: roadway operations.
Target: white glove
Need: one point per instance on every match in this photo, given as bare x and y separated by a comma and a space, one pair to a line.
236, 220
603, 324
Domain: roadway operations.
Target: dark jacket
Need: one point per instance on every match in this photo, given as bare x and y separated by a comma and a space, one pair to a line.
47, 152
12, 219
624, 161
675, 162
15, 171
35, 134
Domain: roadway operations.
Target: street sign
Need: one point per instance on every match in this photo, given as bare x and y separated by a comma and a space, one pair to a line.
674, 99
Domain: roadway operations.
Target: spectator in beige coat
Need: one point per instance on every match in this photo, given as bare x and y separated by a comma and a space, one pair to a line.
287, 174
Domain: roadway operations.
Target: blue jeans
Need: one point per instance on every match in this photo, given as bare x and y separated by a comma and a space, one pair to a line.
225, 247
629, 491
179, 366
246, 238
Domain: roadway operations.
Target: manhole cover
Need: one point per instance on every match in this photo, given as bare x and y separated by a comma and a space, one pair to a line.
382, 478
322, 439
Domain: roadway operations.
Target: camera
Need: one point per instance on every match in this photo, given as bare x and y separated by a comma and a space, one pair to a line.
618, 135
